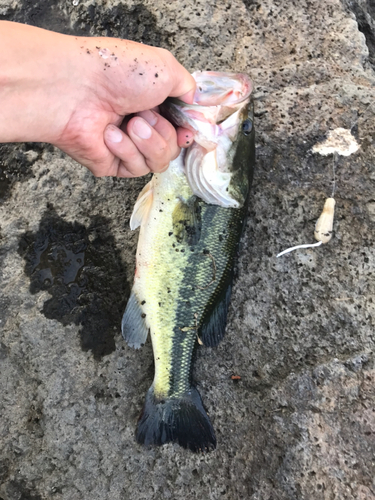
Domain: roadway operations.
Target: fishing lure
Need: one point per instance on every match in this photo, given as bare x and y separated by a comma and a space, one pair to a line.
324, 225
339, 142
323, 228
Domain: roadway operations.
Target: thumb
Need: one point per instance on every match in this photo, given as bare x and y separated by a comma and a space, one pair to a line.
184, 84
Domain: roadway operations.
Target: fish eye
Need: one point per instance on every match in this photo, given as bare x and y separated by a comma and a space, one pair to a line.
247, 127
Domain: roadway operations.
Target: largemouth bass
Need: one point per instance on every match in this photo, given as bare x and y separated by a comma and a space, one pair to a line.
191, 218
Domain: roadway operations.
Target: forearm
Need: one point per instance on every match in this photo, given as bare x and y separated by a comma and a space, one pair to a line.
33, 82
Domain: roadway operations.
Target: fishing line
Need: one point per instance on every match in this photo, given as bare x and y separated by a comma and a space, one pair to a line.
335, 159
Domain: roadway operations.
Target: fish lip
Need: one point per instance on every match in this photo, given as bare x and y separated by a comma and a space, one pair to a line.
238, 76
242, 77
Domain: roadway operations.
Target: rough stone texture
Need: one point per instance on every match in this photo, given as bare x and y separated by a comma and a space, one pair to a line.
300, 423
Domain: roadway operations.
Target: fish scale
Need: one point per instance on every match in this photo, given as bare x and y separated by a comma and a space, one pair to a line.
201, 288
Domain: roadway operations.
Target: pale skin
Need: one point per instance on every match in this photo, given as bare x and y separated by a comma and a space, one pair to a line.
77, 93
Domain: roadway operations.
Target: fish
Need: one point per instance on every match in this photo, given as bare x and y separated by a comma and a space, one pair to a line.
191, 218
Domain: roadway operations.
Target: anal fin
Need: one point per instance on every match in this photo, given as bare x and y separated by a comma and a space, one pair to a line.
133, 326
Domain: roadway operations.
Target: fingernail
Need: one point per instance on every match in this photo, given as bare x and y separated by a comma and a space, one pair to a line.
141, 128
189, 137
113, 134
149, 116
188, 97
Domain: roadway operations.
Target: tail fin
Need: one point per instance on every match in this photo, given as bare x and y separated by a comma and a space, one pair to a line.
181, 420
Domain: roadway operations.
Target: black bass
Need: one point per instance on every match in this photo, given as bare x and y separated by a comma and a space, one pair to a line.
191, 219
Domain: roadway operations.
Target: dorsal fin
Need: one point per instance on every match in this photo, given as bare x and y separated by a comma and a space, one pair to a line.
213, 328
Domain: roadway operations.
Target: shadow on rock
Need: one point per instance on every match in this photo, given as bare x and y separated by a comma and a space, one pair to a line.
84, 274
15, 162
133, 22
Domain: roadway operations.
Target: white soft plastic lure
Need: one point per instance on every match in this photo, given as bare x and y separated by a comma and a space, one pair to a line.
324, 225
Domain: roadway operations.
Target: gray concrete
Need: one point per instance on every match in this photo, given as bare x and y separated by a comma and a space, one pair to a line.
300, 423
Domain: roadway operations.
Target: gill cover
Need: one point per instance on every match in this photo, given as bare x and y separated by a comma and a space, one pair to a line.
221, 105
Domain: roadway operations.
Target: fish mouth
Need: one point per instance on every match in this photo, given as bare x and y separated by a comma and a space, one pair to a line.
218, 95
216, 88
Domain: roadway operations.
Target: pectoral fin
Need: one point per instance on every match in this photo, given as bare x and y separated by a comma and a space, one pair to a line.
142, 206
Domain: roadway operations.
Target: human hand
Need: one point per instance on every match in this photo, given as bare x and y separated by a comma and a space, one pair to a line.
94, 98
130, 78
146, 143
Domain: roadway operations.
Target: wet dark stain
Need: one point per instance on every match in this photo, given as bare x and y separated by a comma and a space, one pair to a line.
84, 274
15, 163
4, 183
4, 469
134, 22
18, 490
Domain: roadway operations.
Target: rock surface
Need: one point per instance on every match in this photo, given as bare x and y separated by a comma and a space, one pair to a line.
300, 423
